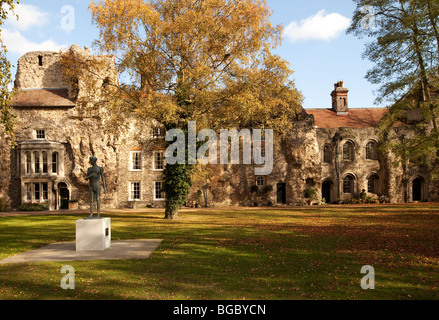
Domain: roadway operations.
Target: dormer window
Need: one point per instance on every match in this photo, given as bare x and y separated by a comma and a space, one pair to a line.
40, 134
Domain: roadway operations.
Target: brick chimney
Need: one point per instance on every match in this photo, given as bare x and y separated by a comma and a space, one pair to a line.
340, 98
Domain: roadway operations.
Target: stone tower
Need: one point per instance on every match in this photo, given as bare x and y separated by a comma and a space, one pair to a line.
340, 98
40, 70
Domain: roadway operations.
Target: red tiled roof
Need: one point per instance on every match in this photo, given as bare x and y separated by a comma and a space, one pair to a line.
356, 118
51, 98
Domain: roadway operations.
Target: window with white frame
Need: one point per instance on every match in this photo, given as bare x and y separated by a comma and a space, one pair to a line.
44, 156
260, 181
44, 191
28, 160
136, 160
28, 188
55, 163
36, 162
159, 194
40, 134
134, 191
158, 161
158, 132
36, 191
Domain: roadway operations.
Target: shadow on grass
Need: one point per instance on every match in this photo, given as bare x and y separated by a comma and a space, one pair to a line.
268, 254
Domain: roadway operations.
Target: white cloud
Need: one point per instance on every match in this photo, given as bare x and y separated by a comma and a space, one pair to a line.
29, 16
31, 21
321, 26
17, 43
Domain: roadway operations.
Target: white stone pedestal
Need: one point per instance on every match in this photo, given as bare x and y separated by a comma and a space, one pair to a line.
93, 234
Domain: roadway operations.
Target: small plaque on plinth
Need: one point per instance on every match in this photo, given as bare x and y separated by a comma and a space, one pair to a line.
93, 234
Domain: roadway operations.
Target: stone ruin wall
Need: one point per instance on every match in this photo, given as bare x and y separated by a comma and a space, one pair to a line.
298, 163
41, 69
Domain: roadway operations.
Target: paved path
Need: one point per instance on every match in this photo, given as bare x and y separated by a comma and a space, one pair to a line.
66, 251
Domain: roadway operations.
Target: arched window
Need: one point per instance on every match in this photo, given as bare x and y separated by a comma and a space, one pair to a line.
55, 163
371, 151
28, 161
348, 184
44, 156
36, 162
348, 151
373, 184
327, 154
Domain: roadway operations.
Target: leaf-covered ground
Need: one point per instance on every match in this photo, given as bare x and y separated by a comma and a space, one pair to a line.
273, 254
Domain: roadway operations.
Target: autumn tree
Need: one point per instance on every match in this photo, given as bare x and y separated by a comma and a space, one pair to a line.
405, 51
6, 93
208, 61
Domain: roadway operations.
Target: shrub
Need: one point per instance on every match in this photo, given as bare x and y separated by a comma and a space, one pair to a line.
383, 199
268, 188
363, 194
254, 188
33, 206
351, 201
311, 193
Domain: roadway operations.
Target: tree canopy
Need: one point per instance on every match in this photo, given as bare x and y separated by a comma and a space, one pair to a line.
6, 93
405, 50
209, 61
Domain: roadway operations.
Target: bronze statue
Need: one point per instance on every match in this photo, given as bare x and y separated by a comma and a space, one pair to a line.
94, 174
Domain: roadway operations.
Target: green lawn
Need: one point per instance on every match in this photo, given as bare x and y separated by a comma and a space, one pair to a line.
304, 253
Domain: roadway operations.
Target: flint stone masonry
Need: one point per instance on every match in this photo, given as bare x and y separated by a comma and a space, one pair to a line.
77, 131
40, 69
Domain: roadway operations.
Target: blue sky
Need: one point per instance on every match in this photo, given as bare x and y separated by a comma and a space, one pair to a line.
315, 43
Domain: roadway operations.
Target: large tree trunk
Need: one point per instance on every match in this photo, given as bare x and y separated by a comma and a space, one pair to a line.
171, 214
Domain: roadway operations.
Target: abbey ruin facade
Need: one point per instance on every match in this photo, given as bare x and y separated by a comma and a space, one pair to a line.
333, 150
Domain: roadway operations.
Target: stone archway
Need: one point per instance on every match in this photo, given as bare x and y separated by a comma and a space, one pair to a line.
328, 190
281, 193
64, 196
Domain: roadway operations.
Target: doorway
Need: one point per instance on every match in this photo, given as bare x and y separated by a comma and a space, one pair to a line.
281, 193
64, 196
418, 189
326, 191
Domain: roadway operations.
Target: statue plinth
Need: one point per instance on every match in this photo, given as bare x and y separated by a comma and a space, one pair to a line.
93, 234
